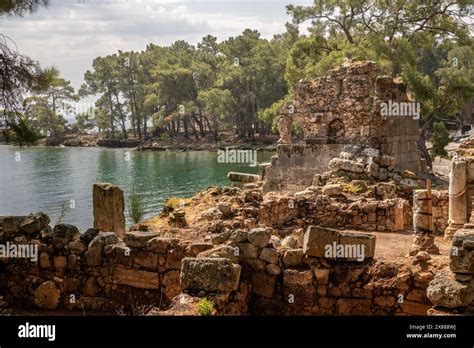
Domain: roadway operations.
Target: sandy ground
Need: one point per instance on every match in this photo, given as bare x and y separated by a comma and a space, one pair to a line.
396, 245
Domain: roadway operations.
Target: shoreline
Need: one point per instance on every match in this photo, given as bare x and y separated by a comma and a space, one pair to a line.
157, 145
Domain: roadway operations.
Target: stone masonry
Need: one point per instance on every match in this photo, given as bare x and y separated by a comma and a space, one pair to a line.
341, 113
242, 272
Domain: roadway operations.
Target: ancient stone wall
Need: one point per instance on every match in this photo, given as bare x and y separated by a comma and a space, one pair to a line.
341, 112
373, 215
452, 289
306, 281
92, 271
242, 271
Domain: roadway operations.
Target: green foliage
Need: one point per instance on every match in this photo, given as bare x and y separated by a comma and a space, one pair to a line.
45, 111
440, 139
136, 206
205, 306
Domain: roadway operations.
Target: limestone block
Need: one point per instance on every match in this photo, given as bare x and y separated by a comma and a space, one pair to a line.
445, 291
47, 295
94, 252
270, 255
222, 251
259, 237
160, 244
136, 279
293, 277
316, 239
138, 239
108, 208
63, 234
332, 190
344, 164
293, 257
34, 223
209, 274
359, 245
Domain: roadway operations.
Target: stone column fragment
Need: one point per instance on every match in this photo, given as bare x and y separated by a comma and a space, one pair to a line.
423, 222
109, 207
457, 198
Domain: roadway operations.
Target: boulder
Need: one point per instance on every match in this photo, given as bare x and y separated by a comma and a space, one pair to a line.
293, 277
345, 164
47, 295
63, 234
384, 189
238, 236
34, 223
373, 170
211, 214
93, 254
11, 224
136, 279
445, 291
221, 251
360, 246
89, 235
248, 250
462, 252
225, 209
259, 237
209, 274
269, 255
332, 190
243, 177
160, 244
220, 238
275, 241
138, 239
288, 242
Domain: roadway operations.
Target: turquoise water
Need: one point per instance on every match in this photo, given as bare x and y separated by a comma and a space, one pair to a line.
46, 179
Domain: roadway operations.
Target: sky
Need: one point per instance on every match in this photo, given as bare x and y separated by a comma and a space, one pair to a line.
69, 34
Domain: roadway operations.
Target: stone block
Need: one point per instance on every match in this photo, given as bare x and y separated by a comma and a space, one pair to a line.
138, 239
316, 238
136, 279
209, 274
259, 237
360, 246
248, 250
108, 208
292, 277
160, 244
293, 257
269, 255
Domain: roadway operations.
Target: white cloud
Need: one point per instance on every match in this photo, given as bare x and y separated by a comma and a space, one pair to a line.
70, 34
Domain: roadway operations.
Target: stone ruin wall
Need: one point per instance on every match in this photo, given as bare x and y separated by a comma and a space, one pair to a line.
340, 112
106, 273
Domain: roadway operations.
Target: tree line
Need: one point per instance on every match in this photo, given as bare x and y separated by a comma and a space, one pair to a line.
240, 84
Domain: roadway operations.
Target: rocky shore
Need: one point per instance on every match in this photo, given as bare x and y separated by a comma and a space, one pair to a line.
180, 144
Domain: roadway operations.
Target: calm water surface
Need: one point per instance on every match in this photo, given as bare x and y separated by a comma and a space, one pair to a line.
45, 179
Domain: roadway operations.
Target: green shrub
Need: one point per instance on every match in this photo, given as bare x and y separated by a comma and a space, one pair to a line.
136, 206
205, 306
